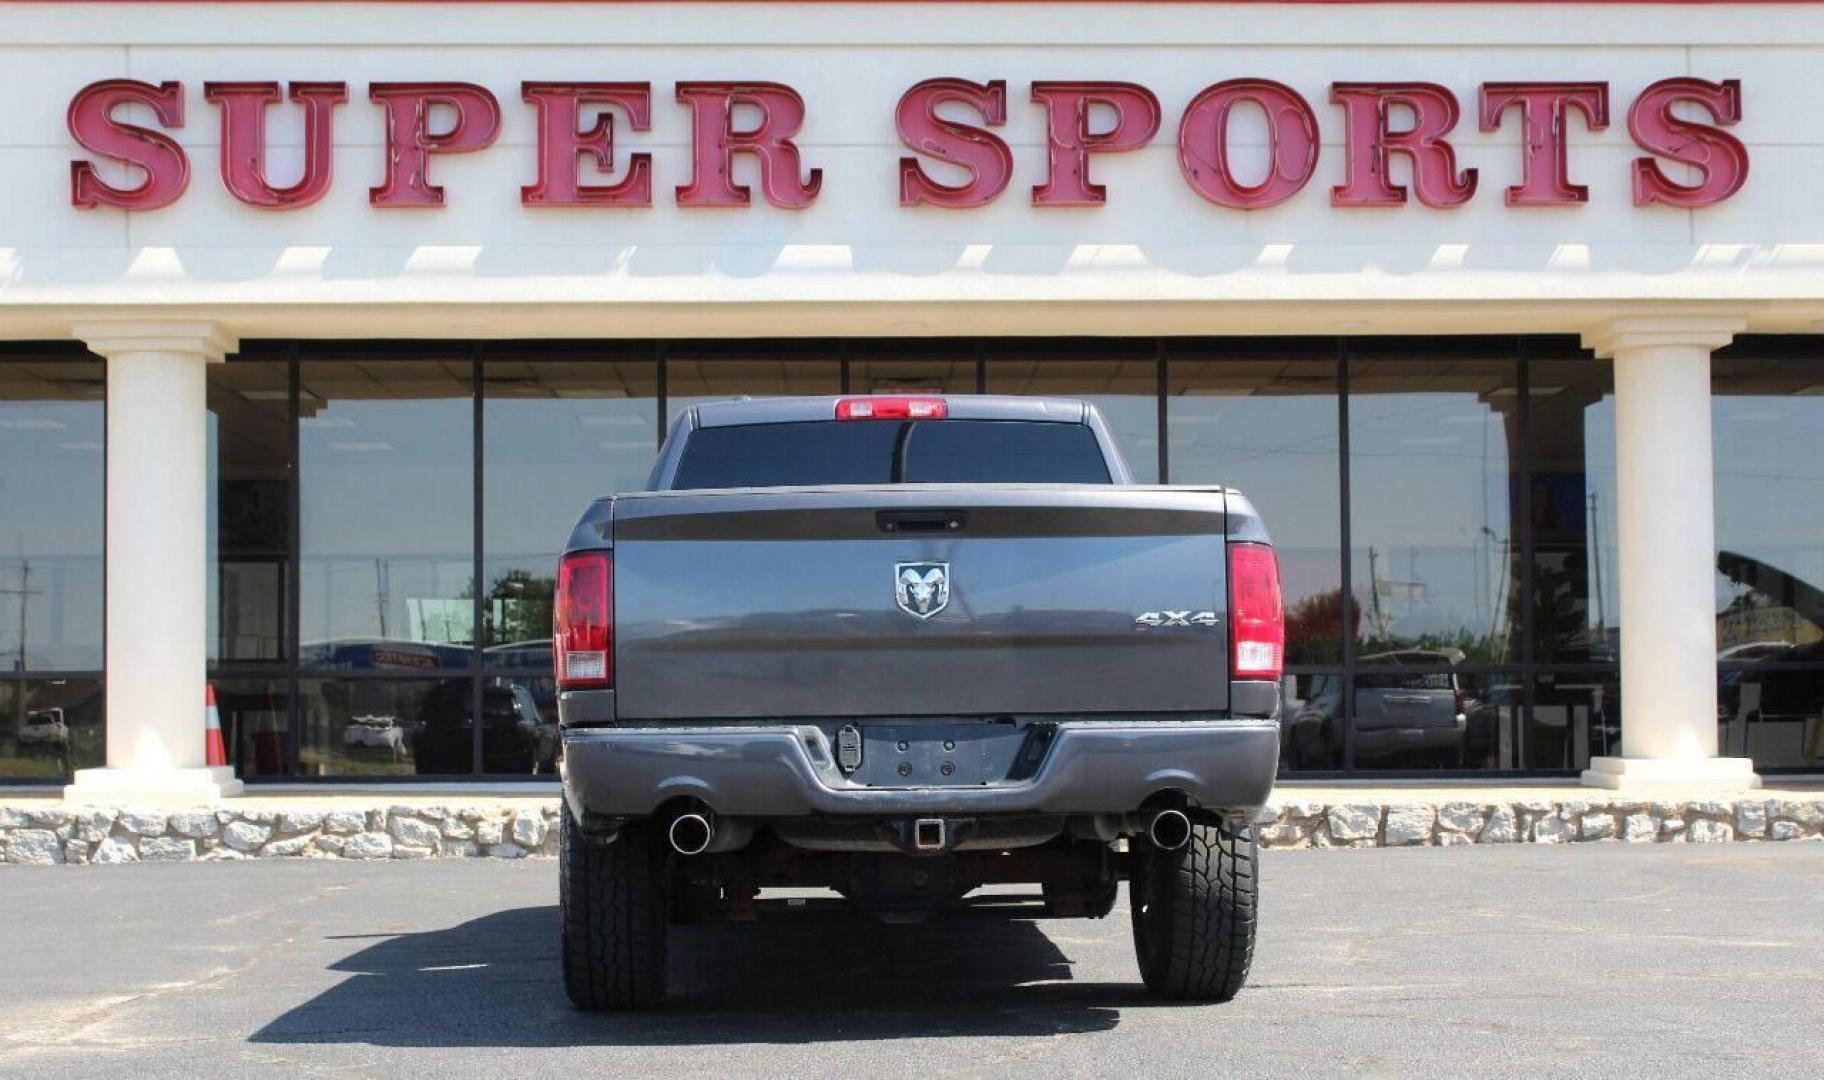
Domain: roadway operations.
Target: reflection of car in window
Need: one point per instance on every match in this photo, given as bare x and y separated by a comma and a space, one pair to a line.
375, 731
44, 727
1403, 718
516, 738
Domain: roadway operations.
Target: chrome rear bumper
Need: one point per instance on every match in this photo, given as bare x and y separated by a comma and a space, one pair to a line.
785, 771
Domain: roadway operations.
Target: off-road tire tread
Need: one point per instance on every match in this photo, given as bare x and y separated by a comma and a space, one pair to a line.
612, 918
1197, 941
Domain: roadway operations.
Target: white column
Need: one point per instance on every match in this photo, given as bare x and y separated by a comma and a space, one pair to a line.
157, 481
1666, 532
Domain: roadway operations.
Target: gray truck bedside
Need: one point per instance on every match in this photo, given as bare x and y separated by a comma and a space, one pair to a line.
902, 648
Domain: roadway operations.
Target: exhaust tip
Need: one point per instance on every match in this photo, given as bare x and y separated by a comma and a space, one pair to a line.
1170, 829
691, 834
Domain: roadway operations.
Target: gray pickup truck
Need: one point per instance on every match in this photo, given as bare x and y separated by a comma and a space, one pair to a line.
903, 648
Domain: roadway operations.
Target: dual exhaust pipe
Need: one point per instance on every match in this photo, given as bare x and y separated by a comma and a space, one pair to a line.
694, 831
1169, 829
697, 830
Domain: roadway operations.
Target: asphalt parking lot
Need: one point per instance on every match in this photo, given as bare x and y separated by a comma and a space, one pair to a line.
1593, 960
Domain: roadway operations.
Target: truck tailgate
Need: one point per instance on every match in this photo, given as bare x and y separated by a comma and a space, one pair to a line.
780, 603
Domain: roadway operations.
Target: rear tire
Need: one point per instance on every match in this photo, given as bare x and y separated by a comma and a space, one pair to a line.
612, 917
1194, 912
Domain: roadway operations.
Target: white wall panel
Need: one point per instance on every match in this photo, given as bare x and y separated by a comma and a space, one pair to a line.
1155, 239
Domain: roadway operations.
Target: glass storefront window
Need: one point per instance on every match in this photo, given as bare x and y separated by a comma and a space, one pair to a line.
717, 371
256, 725
1119, 378
934, 366
1433, 467
250, 515
1570, 505
1773, 714
1266, 421
556, 434
1767, 412
1440, 719
1460, 453
1576, 715
1311, 723
1767, 408
49, 728
52, 426
519, 725
385, 727
387, 477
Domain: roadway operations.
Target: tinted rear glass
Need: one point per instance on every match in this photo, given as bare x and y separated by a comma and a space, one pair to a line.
828, 452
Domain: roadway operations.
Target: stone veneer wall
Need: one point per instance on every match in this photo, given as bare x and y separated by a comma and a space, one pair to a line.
51, 833
1542, 821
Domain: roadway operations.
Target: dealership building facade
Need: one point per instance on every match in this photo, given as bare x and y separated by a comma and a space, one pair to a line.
322, 323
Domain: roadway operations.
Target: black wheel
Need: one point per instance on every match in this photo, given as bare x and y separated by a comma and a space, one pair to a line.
1195, 911
1094, 904
612, 916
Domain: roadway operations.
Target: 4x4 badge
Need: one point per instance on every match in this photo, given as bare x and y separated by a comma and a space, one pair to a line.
922, 588
1175, 618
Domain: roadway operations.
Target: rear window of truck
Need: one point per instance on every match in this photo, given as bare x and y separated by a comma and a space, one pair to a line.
872, 452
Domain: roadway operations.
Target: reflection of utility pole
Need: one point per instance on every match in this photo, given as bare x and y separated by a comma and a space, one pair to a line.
1602, 628
24, 592
1497, 641
380, 592
1374, 590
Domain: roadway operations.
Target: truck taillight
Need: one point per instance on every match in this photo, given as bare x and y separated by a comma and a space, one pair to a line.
892, 408
1257, 615
582, 630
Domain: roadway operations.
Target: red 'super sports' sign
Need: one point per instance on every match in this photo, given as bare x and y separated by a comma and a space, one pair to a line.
577, 121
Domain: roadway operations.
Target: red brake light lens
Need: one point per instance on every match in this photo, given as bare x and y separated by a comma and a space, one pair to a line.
1257, 614
892, 408
582, 631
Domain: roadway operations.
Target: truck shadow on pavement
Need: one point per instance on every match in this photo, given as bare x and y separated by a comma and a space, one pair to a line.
495, 981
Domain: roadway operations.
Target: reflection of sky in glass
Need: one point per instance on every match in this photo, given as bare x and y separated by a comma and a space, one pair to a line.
386, 513
1135, 421
545, 460
1429, 494
51, 499
1770, 497
1281, 451
1602, 559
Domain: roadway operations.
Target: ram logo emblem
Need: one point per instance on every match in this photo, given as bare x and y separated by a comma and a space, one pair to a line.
922, 588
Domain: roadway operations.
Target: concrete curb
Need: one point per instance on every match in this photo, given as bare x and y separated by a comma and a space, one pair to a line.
343, 827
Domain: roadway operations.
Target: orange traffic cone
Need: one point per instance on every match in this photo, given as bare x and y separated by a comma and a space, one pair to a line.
215, 751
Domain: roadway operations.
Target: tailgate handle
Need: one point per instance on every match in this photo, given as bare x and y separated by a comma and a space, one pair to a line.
922, 521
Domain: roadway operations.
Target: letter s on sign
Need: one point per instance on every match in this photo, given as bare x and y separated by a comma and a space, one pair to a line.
1718, 155
94, 128
983, 153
